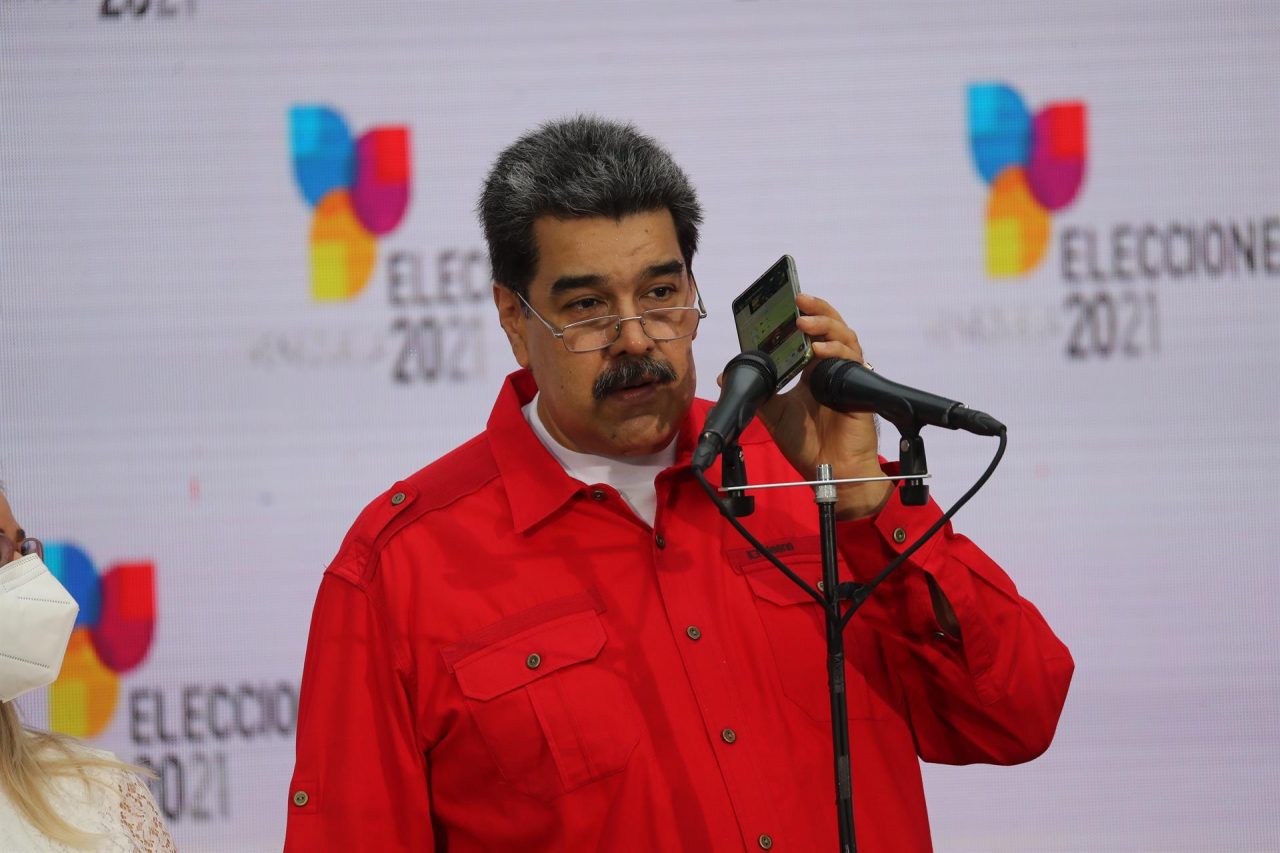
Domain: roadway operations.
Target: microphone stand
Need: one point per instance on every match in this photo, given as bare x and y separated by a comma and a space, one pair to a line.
825, 496
913, 471
831, 591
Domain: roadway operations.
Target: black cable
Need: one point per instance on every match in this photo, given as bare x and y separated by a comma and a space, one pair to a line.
865, 590
836, 622
746, 534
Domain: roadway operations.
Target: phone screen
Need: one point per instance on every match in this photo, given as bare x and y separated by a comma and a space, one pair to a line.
766, 314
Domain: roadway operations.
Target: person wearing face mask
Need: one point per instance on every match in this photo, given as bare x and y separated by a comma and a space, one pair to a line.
56, 794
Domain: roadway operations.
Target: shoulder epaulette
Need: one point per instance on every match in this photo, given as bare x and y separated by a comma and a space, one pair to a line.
454, 475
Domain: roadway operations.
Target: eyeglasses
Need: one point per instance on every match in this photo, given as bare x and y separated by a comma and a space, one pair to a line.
596, 333
9, 551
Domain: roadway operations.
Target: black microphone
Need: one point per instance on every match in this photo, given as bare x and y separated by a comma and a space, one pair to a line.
749, 380
848, 386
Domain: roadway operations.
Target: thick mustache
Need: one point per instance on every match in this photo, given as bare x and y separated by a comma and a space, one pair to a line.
631, 371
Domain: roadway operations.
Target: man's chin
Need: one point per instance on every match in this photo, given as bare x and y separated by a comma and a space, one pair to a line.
640, 433
643, 445
642, 421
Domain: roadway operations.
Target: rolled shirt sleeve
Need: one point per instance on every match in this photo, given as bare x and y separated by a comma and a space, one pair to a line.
992, 694
360, 780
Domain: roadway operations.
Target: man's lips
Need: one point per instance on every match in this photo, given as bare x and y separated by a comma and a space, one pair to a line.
632, 377
642, 384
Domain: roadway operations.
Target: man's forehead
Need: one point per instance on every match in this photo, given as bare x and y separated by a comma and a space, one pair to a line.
614, 250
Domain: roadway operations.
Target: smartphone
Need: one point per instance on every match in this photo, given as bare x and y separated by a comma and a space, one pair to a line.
766, 313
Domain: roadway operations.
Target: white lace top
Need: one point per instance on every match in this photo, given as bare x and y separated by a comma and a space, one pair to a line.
117, 807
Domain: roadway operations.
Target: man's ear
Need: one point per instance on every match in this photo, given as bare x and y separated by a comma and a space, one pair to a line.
512, 316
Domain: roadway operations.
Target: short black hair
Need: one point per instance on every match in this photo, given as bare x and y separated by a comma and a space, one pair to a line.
579, 167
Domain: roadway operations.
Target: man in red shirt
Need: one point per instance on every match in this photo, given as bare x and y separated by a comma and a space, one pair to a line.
549, 639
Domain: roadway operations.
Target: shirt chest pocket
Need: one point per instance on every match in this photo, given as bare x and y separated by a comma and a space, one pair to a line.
797, 635
551, 712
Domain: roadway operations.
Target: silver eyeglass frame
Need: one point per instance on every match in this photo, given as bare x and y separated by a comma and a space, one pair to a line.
559, 331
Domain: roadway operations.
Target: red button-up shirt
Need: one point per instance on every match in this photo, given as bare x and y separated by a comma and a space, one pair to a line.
504, 658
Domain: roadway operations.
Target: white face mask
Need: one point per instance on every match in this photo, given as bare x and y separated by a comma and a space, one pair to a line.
37, 616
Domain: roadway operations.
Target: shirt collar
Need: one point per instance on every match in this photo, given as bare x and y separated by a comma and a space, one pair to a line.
535, 483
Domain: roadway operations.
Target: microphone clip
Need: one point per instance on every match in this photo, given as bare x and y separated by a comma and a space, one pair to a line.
733, 479
912, 466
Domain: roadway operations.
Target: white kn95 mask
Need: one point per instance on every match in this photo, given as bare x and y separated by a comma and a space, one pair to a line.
37, 616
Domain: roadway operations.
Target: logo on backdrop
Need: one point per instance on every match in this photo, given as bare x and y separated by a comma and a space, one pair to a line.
1034, 165
1114, 272
358, 188
112, 636
180, 731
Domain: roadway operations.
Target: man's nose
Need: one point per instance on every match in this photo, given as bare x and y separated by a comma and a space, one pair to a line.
632, 338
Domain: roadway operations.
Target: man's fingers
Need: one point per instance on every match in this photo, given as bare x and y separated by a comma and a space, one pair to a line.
836, 349
820, 321
810, 304
844, 346
830, 328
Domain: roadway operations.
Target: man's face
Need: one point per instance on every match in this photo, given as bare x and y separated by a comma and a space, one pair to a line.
600, 265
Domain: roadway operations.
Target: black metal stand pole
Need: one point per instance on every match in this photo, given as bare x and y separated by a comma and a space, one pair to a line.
913, 472
825, 496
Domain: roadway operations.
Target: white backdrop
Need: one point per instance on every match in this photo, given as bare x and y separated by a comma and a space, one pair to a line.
173, 393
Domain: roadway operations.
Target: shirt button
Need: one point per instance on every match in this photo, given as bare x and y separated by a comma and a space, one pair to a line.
300, 798
728, 735
397, 499
939, 635
899, 535
597, 494
693, 632
533, 661
659, 541
765, 842
822, 587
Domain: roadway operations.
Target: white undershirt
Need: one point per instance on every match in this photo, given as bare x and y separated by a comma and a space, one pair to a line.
632, 476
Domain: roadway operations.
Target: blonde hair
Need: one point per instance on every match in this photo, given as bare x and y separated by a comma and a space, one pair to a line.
29, 760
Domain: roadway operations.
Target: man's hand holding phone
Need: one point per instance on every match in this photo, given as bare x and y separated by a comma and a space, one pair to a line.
794, 330
808, 433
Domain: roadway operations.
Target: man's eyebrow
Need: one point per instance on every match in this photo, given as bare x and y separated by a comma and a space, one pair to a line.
664, 268
566, 283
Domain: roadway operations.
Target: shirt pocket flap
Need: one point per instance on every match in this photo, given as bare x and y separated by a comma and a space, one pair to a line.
801, 554
768, 581
529, 655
